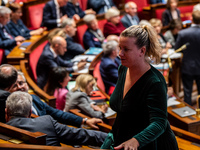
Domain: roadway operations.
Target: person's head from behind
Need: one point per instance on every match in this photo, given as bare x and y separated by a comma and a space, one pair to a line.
138, 44
111, 49
4, 15
196, 17
112, 37
172, 4
112, 15
69, 26
85, 83
62, 3
157, 24
58, 78
20, 84
8, 77
59, 45
16, 11
131, 8
18, 104
91, 21
56, 32
175, 26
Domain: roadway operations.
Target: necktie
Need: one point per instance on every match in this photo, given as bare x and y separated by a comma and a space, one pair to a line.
6, 34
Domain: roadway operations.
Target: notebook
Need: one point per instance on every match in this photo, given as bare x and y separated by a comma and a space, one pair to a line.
184, 111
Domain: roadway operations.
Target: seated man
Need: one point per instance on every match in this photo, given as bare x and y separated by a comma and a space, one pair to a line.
74, 8
130, 18
73, 48
18, 112
50, 58
54, 12
109, 64
8, 76
7, 41
100, 6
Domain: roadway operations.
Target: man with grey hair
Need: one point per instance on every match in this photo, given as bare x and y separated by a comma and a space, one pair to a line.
7, 41
18, 110
130, 18
73, 48
109, 64
8, 76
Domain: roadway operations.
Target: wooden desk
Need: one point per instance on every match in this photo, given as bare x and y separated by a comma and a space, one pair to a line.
17, 54
191, 124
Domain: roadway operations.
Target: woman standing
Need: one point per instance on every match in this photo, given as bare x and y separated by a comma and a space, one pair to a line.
140, 96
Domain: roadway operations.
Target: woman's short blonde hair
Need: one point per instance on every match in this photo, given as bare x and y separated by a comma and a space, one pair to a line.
112, 12
155, 22
145, 36
88, 18
82, 81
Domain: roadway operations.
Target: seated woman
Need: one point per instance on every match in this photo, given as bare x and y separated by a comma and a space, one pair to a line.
171, 13
73, 8
17, 27
58, 80
157, 24
93, 36
78, 97
113, 24
109, 64
174, 27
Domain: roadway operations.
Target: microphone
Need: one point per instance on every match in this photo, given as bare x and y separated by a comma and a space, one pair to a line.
180, 49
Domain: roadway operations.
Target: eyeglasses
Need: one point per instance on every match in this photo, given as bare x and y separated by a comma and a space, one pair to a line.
19, 83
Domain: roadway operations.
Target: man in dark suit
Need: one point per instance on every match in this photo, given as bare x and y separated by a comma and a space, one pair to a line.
130, 18
100, 6
18, 110
50, 58
7, 41
8, 76
54, 12
40, 108
73, 48
109, 64
191, 56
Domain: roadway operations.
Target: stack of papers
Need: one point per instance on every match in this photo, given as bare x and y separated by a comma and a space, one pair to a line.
172, 101
109, 112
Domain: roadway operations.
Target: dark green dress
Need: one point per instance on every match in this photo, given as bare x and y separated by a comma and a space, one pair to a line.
142, 113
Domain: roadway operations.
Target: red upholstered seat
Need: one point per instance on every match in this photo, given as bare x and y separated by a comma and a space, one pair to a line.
83, 4
34, 57
35, 15
18, 1
1, 55
80, 32
159, 13
97, 74
101, 24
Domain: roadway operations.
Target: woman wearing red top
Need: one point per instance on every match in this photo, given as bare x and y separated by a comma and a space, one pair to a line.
113, 24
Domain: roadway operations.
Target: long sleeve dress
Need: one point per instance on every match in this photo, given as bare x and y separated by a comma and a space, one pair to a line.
142, 114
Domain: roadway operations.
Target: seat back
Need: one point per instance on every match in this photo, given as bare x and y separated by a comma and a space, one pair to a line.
80, 32
97, 74
1, 56
34, 57
83, 4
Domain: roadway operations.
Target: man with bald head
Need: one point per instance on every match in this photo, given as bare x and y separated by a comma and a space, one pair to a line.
50, 58
131, 17
8, 77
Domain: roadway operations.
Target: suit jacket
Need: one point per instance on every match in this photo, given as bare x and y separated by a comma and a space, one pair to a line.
49, 19
6, 43
71, 8
73, 49
98, 5
18, 29
81, 101
62, 117
191, 55
127, 23
110, 28
3, 98
90, 40
57, 133
46, 62
109, 71
167, 16
170, 37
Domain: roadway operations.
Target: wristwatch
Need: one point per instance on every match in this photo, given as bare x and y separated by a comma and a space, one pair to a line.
85, 119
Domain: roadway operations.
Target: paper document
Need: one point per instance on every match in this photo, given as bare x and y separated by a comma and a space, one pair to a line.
172, 101
109, 112
78, 58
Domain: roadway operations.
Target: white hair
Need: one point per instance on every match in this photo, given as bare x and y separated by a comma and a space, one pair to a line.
4, 10
67, 22
109, 47
19, 104
111, 13
88, 18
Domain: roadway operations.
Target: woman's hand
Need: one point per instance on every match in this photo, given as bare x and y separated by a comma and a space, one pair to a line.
131, 144
95, 107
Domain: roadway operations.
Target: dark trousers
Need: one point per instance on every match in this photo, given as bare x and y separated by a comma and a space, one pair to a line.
188, 84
